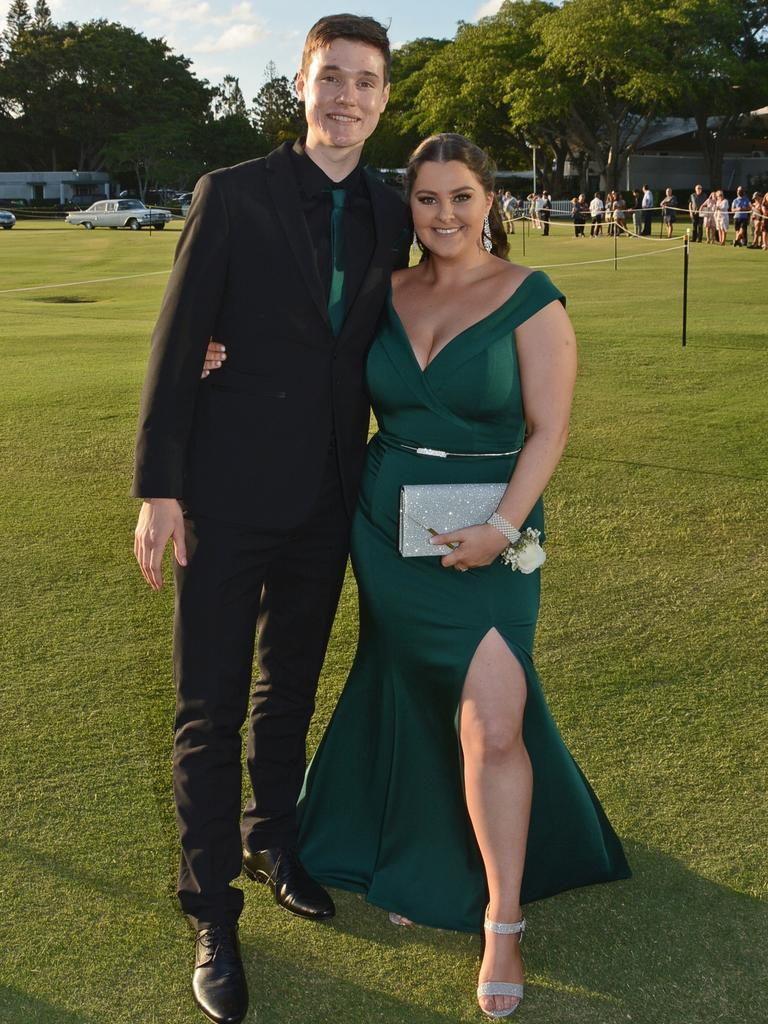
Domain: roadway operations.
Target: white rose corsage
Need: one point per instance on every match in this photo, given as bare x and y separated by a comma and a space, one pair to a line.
526, 554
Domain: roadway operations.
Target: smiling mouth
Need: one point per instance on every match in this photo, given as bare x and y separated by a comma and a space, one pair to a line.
446, 231
343, 118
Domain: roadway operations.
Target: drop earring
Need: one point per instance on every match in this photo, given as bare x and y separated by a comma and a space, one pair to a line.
487, 240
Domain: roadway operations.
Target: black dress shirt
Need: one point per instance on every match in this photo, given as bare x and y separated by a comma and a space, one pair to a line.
359, 232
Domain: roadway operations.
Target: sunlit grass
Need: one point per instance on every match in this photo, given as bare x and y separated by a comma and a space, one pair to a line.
651, 649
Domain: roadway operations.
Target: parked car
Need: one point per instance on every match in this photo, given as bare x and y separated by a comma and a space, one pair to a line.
120, 213
185, 198
7, 220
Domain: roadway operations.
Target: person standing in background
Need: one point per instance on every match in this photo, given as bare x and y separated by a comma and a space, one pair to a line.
695, 203
722, 206
546, 210
508, 210
597, 213
647, 205
707, 213
637, 212
668, 204
579, 215
740, 211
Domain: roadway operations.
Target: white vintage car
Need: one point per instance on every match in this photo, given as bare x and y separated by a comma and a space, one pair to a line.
120, 213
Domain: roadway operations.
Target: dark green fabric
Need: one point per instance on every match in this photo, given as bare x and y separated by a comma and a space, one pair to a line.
336, 292
382, 811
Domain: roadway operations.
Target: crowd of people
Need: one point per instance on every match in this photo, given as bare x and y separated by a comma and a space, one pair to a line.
709, 215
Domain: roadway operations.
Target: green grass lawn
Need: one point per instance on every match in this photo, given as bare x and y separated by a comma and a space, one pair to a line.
651, 650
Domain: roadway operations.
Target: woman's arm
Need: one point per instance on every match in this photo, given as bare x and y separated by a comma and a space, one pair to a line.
546, 351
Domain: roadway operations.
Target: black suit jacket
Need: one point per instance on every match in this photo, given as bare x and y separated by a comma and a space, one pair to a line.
250, 443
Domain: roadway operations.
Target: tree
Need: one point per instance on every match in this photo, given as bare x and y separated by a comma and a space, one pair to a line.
227, 99
42, 15
224, 141
397, 135
70, 88
155, 154
623, 57
462, 88
17, 22
723, 72
276, 108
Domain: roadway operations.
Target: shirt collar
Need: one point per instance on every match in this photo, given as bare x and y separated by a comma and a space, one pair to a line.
313, 181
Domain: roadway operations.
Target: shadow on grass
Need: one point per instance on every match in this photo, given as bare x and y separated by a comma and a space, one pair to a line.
48, 862
666, 945
19, 1008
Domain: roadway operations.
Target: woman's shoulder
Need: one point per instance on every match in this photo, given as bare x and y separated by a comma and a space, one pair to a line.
405, 278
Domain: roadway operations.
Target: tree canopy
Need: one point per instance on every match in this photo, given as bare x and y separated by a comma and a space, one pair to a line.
584, 80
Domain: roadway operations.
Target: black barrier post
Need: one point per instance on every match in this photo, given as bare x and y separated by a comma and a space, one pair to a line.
685, 283
522, 231
615, 245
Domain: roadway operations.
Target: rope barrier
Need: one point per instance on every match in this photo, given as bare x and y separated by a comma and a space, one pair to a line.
75, 284
610, 259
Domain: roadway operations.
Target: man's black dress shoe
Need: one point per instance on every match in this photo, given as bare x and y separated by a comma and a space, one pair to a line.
280, 868
218, 984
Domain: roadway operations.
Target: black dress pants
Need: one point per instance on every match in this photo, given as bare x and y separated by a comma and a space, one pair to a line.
286, 584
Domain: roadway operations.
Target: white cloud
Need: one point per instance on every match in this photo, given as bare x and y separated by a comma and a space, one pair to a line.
486, 10
236, 37
199, 13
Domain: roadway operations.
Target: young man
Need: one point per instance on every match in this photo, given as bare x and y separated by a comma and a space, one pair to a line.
740, 210
253, 475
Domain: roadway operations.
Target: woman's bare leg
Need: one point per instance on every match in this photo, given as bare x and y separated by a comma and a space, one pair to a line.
498, 784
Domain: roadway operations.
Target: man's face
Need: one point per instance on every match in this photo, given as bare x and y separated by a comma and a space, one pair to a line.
344, 94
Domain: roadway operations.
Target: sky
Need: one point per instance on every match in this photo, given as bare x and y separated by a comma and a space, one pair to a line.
240, 37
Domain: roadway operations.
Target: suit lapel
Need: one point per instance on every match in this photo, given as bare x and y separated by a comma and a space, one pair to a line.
387, 226
284, 191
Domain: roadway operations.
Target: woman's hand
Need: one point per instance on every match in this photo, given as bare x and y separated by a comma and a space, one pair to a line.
475, 545
214, 356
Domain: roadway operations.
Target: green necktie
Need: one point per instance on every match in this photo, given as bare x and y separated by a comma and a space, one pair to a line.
336, 293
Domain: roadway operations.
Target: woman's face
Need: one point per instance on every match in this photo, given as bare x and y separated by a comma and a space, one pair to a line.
449, 206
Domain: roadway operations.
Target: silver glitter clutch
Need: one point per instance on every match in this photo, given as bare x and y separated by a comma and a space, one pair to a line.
427, 509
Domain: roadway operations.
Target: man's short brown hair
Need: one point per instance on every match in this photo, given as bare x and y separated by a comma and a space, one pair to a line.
347, 26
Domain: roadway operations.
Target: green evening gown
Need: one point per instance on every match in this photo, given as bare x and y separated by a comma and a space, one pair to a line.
382, 811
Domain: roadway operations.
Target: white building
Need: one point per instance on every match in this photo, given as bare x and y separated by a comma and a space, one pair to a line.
59, 185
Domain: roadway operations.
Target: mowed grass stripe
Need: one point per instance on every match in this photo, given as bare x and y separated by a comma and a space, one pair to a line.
650, 649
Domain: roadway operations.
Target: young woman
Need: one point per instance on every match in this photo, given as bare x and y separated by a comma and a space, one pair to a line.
722, 207
442, 788
708, 212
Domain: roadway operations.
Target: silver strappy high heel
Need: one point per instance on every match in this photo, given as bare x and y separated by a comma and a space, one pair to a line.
502, 988
399, 920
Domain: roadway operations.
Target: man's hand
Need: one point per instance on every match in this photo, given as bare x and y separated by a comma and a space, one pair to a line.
159, 520
215, 355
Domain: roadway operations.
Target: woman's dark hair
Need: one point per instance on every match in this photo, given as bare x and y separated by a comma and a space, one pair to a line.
448, 146
347, 26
